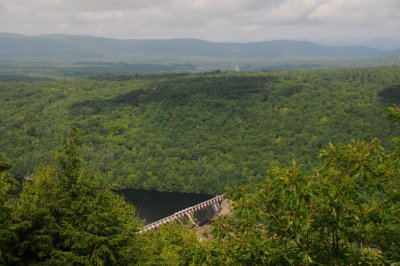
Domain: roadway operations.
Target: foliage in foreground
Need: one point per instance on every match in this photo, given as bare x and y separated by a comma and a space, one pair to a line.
175, 244
7, 185
346, 213
65, 218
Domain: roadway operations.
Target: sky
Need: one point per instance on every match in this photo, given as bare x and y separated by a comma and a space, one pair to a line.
218, 20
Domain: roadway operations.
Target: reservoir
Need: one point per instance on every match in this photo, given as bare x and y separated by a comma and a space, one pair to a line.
154, 205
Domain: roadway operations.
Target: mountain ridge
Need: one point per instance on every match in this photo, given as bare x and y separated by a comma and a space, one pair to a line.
15, 46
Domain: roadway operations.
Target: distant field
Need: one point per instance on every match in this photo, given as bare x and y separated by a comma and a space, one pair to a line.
161, 65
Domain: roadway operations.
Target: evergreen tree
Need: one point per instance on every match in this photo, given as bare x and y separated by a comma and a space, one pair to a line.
65, 218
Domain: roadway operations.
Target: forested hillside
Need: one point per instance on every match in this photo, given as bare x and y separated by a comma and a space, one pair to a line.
65, 216
195, 132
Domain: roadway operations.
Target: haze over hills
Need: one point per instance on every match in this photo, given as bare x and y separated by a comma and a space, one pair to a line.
78, 47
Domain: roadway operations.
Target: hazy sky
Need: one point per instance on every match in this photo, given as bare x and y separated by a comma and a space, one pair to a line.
218, 20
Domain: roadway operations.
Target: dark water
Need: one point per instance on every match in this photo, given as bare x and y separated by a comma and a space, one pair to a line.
154, 205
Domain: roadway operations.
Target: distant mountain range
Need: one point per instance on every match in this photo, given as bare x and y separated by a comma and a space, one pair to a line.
77, 47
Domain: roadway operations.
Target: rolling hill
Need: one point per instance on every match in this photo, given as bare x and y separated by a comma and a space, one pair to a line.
76, 47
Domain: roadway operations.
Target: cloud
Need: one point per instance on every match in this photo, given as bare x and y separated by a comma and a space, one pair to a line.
357, 11
223, 20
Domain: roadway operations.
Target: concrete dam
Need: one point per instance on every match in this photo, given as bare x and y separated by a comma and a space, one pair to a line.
195, 215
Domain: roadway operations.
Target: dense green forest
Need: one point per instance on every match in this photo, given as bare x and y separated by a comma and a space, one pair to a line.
344, 212
297, 199
194, 132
